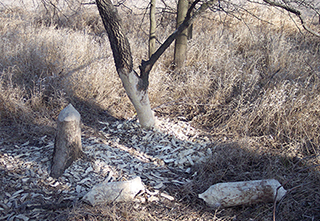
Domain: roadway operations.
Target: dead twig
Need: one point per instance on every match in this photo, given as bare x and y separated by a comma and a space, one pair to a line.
296, 12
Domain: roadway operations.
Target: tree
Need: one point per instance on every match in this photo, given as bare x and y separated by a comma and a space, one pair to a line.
180, 48
136, 86
152, 35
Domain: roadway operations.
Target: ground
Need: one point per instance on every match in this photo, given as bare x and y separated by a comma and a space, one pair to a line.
120, 150
175, 162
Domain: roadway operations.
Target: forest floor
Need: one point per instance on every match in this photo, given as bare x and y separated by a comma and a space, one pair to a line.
176, 162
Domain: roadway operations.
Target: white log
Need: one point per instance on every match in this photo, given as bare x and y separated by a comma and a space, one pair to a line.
239, 193
114, 192
67, 146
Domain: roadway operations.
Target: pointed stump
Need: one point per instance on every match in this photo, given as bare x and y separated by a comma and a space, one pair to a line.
67, 146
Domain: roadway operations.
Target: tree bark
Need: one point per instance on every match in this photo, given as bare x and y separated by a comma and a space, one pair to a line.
152, 34
136, 86
190, 28
180, 49
67, 146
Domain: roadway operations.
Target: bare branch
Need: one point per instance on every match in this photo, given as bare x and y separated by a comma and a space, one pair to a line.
88, 3
296, 12
146, 66
292, 10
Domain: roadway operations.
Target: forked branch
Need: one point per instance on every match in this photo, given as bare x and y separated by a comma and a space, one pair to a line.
146, 66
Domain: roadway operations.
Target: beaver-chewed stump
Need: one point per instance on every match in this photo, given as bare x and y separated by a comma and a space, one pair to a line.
67, 145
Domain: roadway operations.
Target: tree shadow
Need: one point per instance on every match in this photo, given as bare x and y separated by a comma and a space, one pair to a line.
243, 160
34, 91
132, 151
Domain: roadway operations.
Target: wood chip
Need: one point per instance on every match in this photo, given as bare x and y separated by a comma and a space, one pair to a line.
167, 196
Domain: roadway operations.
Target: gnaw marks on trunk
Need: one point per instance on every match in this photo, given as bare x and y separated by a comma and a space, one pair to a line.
135, 85
67, 146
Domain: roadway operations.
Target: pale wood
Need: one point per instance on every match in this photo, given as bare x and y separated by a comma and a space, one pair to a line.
139, 98
109, 192
67, 146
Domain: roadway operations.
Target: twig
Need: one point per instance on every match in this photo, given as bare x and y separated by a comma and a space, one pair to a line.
255, 16
294, 11
275, 201
315, 72
88, 3
307, 168
295, 23
29, 205
117, 196
140, 26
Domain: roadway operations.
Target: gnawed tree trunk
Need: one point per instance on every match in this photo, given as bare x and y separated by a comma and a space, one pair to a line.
67, 146
152, 34
136, 86
180, 49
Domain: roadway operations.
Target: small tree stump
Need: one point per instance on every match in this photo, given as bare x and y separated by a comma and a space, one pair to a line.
67, 145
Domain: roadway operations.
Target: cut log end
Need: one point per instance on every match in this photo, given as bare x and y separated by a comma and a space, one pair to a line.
67, 146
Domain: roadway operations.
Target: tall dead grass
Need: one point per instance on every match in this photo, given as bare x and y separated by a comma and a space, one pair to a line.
242, 78
252, 79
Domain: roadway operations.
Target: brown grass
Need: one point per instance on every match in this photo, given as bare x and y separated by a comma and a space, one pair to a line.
254, 86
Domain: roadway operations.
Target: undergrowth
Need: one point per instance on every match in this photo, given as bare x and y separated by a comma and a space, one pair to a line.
247, 78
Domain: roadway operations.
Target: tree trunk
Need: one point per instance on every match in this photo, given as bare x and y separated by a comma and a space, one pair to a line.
190, 28
67, 146
152, 37
136, 86
180, 49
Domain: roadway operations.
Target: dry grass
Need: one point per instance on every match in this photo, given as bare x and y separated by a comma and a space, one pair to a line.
247, 160
261, 82
243, 80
